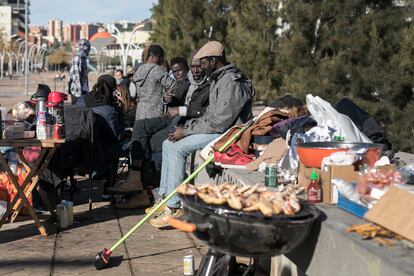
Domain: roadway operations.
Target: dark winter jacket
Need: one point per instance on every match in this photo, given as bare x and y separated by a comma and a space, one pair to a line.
106, 117
180, 92
230, 102
197, 102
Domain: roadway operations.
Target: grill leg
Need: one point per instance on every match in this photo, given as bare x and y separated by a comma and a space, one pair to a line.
211, 261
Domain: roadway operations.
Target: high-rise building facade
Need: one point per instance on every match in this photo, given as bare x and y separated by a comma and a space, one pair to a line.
12, 18
71, 32
55, 29
88, 30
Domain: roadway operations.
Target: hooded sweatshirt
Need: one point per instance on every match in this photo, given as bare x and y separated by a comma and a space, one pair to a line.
230, 102
151, 81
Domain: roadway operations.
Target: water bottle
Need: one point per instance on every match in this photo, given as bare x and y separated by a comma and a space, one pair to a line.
41, 119
69, 207
63, 222
41, 126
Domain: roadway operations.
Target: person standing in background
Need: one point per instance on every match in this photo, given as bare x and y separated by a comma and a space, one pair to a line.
151, 82
78, 74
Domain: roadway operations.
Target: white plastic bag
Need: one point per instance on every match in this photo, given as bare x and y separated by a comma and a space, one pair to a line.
290, 160
326, 116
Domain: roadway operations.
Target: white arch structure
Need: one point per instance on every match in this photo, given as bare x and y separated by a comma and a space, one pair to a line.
125, 50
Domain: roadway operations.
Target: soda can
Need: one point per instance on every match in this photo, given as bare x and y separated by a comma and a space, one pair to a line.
271, 175
189, 265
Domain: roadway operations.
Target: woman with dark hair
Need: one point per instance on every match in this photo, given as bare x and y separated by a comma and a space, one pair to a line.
102, 101
126, 104
108, 127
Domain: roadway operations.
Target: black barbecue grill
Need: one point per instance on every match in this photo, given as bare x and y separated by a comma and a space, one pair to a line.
247, 234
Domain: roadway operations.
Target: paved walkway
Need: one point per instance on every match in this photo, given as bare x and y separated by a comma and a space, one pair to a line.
71, 252
12, 91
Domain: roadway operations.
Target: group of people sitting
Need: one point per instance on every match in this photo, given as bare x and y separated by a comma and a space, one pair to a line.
176, 113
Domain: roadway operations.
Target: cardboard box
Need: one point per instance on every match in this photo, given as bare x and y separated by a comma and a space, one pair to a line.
394, 211
304, 174
348, 173
329, 193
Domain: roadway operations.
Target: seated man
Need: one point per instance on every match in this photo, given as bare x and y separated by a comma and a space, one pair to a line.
144, 130
230, 103
180, 71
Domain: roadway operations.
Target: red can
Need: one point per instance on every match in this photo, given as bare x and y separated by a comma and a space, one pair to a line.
57, 131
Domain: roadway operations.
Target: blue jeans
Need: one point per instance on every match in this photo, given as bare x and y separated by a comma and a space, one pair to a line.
174, 156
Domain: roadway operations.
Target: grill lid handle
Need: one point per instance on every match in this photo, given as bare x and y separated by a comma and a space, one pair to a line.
182, 225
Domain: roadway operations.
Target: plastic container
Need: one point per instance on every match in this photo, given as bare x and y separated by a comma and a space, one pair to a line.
13, 162
69, 207
41, 126
64, 217
311, 154
351, 207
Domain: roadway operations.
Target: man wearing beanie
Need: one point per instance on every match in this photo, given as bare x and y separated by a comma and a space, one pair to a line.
230, 103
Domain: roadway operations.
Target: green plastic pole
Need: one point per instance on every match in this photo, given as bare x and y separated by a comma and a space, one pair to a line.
188, 179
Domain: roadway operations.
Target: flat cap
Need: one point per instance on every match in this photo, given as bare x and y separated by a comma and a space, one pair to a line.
210, 49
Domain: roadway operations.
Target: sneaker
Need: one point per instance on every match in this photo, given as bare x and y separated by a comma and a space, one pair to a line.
132, 184
159, 211
217, 158
237, 161
139, 200
162, 220
230, 152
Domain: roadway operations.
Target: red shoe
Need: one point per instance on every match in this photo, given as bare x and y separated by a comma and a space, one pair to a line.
237, 161
234, 149
217, 158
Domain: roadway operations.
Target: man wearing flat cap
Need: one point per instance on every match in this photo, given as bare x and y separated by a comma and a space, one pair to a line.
230, 103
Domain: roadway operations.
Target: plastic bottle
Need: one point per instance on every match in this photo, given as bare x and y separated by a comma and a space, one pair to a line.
41, 126
69, 207
314, 190
9, 125
13, 162
64, 217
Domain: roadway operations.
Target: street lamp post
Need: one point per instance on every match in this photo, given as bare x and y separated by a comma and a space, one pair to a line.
1, 64
125, 51
26, 63
31, 55
41, 56
129, 44
18, 55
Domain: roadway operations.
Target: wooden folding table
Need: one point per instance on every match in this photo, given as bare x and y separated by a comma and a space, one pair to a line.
48, 148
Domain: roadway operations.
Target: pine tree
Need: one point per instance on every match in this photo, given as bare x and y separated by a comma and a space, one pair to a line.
251, 39
183, 26
359, 49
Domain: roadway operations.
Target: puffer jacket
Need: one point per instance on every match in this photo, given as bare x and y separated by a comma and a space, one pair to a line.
230, 102
151, 81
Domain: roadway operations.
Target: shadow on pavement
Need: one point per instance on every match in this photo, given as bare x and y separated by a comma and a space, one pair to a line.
83, 218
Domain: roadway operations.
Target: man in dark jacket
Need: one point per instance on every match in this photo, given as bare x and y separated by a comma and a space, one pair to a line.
147, 130
230, 102
180, 70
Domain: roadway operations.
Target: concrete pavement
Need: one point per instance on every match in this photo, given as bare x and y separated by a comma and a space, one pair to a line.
71, 252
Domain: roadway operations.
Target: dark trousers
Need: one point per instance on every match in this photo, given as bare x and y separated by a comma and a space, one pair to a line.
148, 136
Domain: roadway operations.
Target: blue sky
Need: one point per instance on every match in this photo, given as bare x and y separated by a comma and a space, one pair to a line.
89, 10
